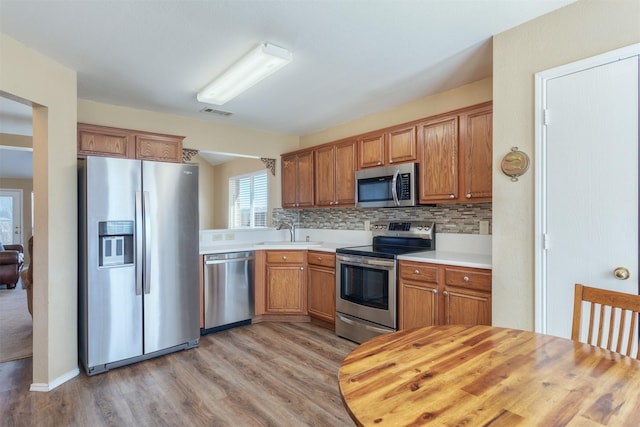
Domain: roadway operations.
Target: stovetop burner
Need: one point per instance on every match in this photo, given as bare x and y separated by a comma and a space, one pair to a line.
396, 238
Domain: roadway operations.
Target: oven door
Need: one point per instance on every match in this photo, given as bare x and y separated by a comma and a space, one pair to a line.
366, 288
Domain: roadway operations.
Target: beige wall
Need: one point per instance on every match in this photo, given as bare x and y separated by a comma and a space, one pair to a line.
578, 31
206, 192
28, 75
239, 166
463, 96
199, 135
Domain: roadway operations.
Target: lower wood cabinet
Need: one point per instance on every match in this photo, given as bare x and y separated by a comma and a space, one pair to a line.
436, 294
286, 291
321, 281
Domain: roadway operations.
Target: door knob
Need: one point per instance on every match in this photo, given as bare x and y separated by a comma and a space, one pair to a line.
621, 273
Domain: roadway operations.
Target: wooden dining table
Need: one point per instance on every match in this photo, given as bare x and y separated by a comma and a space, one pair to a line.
487, 376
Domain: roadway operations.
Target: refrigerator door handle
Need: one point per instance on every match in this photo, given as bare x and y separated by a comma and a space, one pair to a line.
146, 209
139, 233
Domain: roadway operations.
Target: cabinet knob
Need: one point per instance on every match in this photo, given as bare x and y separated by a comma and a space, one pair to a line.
379, 163
445, 293
336, 202
435, 291
284, 257
468, 195
465, 278
319, 258
416, 272
330, 203
301, 268
390, 161
451, 196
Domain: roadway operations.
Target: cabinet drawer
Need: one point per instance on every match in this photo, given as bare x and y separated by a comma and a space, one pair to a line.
285, 257
418, 271
325, 259
473, 279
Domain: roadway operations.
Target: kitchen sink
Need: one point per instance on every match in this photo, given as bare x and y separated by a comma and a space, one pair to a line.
285, 243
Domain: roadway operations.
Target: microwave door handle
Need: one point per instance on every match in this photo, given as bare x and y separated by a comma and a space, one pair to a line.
394, 190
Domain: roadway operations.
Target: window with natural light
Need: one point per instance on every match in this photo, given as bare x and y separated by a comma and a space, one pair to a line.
248, 200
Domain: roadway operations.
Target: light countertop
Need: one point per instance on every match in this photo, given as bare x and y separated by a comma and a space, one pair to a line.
435, 257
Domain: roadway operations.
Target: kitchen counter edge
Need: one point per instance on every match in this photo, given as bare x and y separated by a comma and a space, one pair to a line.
435, 257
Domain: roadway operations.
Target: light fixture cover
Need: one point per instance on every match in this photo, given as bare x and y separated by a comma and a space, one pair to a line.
258, 64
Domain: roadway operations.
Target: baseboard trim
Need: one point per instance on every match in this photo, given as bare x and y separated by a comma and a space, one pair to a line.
46, 387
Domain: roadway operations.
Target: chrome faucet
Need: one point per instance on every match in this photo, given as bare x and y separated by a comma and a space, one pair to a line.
291, 226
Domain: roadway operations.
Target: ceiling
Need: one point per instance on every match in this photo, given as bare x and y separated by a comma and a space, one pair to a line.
351, 58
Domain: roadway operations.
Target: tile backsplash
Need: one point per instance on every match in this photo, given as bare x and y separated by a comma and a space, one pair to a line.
452, 218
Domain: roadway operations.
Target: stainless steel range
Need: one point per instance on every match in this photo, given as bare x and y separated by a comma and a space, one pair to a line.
366, 282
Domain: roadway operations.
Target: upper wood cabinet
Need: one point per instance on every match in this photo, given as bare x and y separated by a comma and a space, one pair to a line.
396, 145
297, 180
96, 140
476, 141
438, 156
334, 170
455, 154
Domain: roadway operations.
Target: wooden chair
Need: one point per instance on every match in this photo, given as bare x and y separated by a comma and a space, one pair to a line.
620, 307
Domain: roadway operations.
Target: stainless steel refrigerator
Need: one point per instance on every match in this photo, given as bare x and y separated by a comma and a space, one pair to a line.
138, 260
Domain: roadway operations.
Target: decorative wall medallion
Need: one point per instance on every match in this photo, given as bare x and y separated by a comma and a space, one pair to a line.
515, 163
270, 164
187, 154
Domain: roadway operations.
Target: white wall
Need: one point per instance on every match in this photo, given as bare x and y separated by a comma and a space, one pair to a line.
580, 30
28, 75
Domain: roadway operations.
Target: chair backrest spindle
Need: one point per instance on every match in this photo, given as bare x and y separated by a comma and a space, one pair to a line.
621, 335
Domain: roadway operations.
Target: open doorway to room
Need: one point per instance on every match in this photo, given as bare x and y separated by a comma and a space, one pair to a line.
16, 227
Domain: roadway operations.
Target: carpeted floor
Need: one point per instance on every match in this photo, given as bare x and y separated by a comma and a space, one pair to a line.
15, 325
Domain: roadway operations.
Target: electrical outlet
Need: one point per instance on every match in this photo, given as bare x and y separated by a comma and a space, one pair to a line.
484, 227
367, 224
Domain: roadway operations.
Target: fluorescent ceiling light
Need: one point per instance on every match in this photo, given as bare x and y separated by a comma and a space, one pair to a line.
258, 64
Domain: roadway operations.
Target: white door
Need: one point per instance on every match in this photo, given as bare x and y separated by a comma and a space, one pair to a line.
588, 187
10, 216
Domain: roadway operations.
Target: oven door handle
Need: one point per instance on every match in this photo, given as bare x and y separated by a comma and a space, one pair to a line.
364, 262
369, 327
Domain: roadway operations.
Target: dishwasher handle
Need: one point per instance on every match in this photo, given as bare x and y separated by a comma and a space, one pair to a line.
228, 257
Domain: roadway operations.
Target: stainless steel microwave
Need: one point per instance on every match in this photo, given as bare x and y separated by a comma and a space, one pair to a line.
387, 186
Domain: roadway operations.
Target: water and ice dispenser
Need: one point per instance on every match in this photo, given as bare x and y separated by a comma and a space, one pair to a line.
116, 243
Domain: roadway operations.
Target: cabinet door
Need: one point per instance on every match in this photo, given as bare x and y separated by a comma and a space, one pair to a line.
322, 292
289, 181
418, 304
401, 145
325, 176
476, 141
104, 141
305, 179
438, 156
345, 178
466, 307
371, 151
161, 148
285, 291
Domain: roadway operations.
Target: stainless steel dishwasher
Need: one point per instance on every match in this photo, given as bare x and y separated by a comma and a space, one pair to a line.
228, 290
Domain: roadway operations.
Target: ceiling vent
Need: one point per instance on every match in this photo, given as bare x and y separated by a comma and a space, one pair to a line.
214, 111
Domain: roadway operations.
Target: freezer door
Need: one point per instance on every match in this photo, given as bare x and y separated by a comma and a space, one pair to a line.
171, 279
110, 309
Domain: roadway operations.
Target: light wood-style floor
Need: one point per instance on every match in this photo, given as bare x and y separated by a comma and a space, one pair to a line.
266, 374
